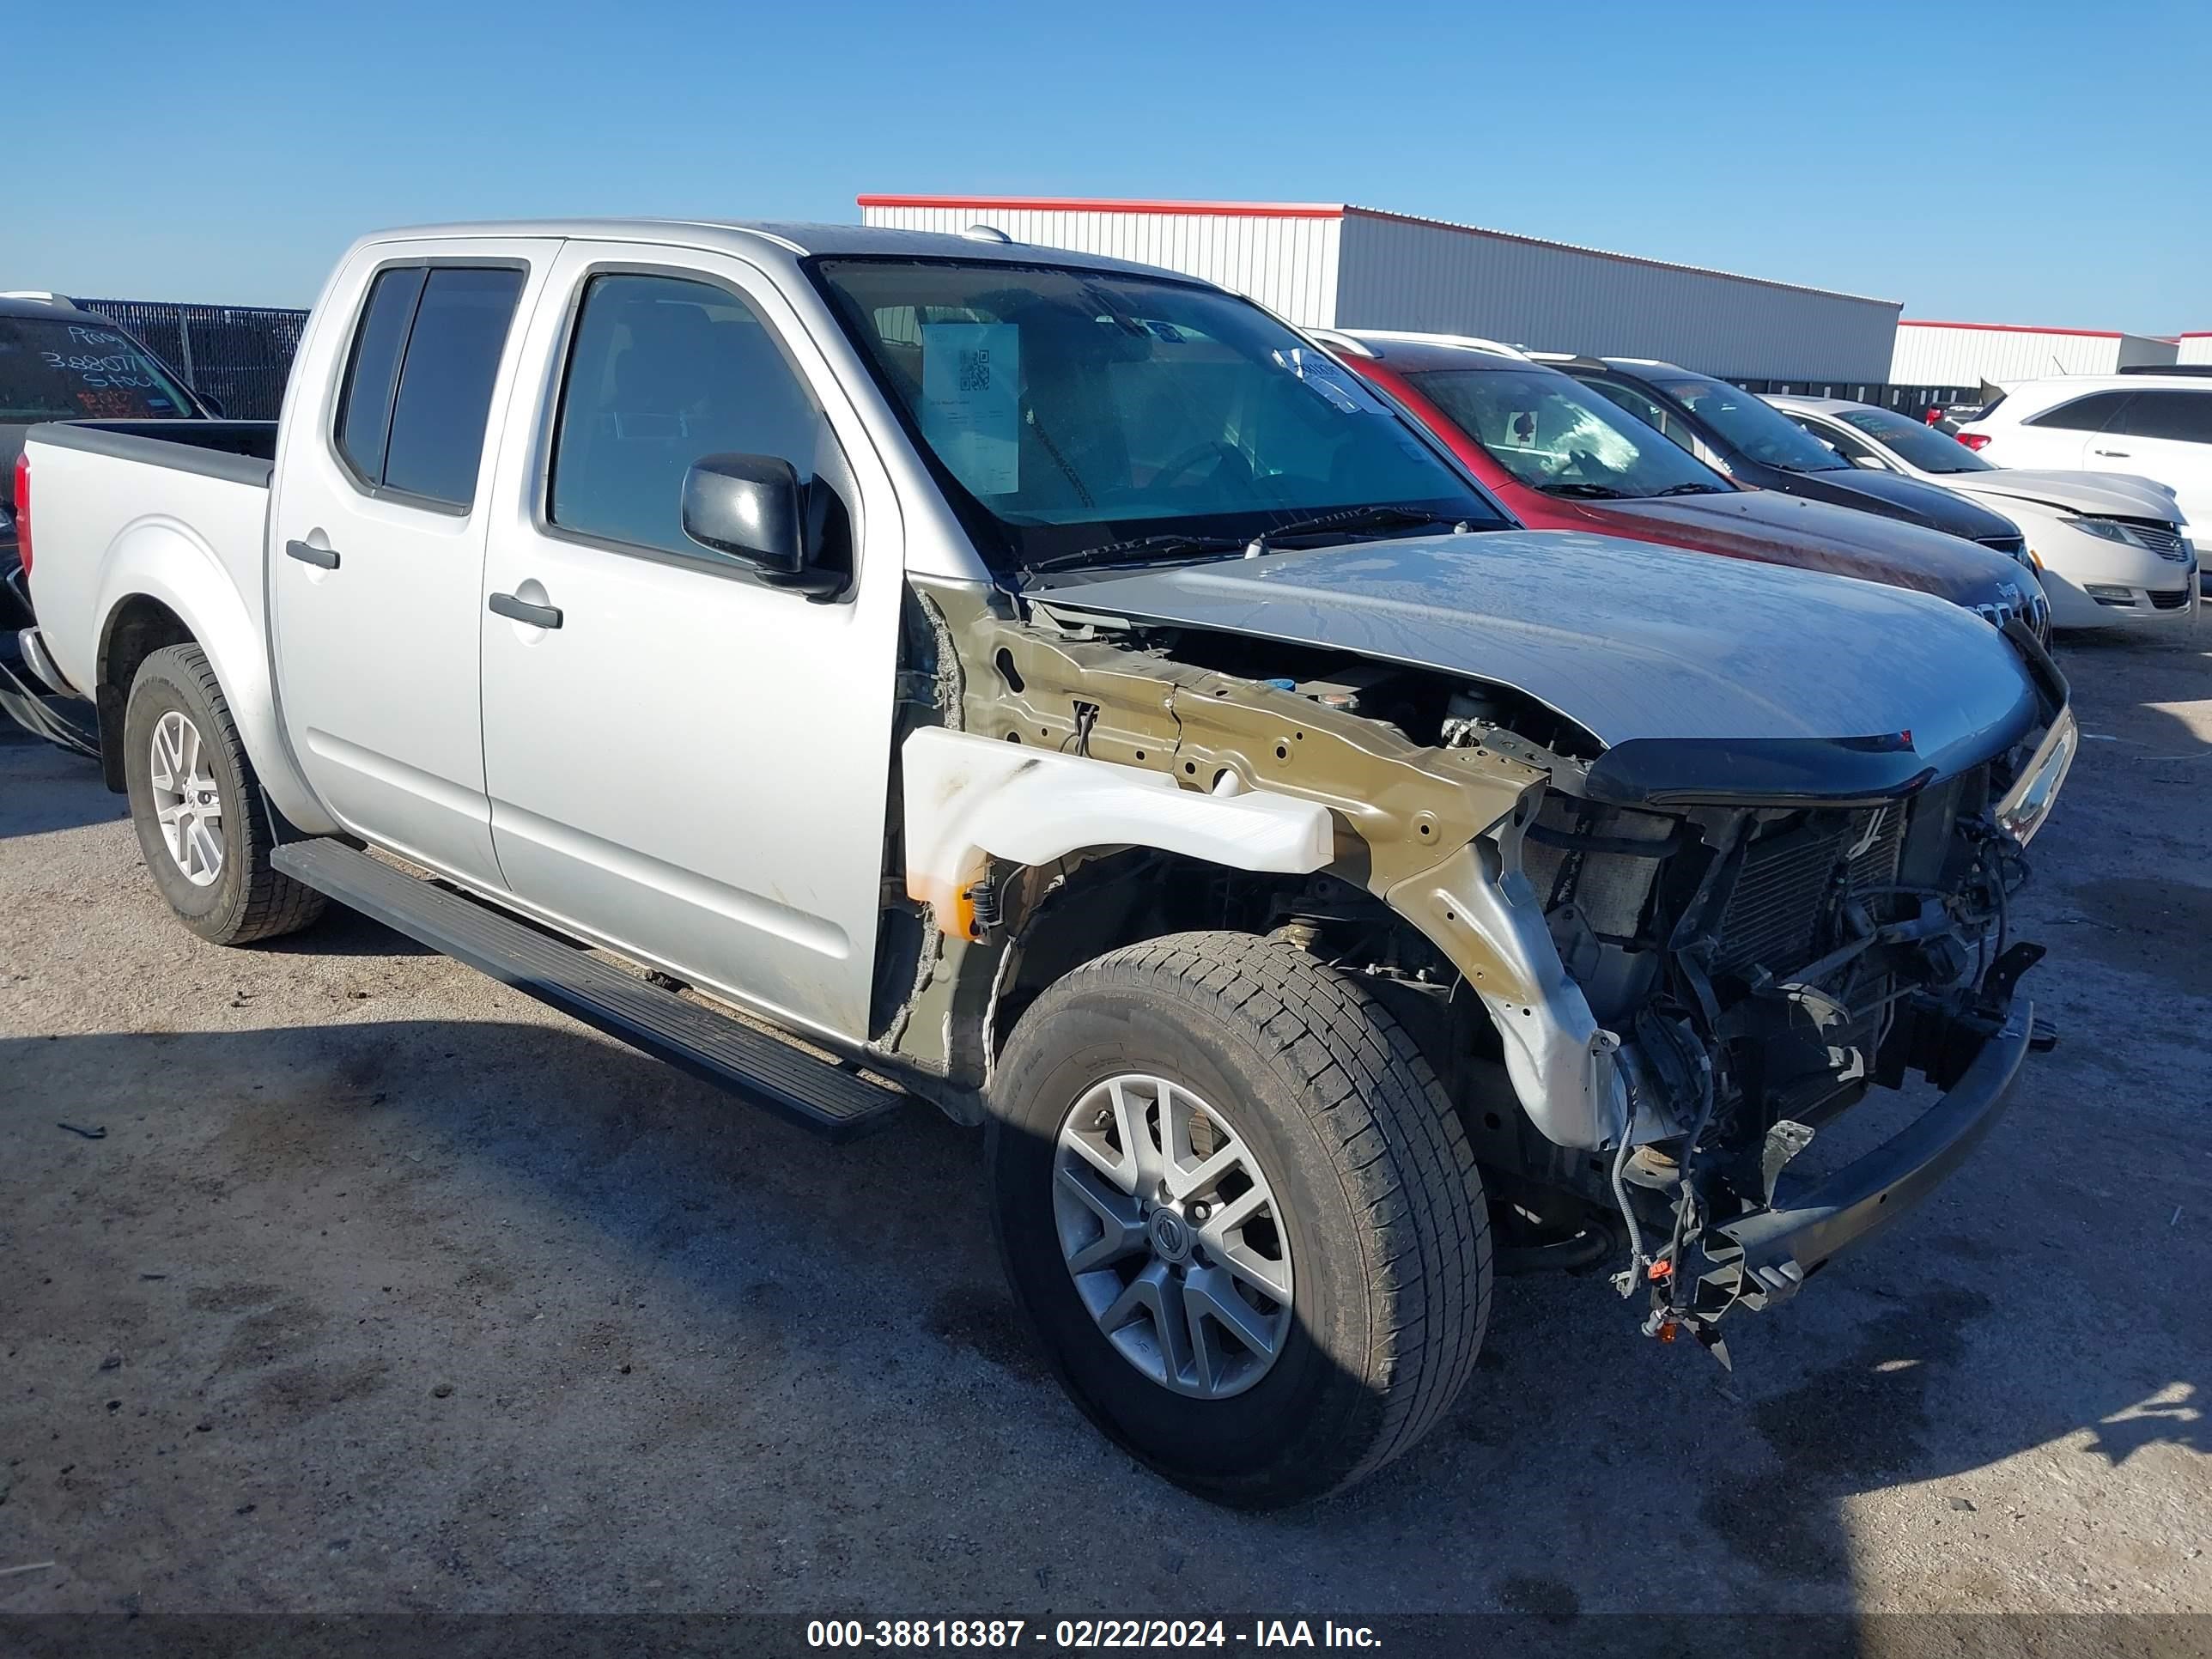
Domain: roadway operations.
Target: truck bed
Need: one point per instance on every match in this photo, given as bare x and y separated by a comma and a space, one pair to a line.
173, 509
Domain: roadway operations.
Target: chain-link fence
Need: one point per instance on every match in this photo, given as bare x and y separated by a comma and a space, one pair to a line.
238, 356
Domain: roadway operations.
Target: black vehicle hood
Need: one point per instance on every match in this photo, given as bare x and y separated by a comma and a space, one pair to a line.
1903, 498
1822, 536
1706, 677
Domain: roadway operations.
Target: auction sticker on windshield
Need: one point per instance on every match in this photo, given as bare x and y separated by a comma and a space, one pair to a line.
971, 402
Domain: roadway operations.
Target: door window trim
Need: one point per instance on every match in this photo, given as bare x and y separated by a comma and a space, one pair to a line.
328, 421
706, 560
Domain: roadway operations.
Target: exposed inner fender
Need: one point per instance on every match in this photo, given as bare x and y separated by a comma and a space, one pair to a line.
970, 799
1561, 1060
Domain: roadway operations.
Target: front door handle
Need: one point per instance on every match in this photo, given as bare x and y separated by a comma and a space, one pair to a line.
2117, 454
521, 611
323, 558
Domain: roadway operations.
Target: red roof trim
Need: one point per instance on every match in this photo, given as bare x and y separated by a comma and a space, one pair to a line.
2018, 328
1084, 204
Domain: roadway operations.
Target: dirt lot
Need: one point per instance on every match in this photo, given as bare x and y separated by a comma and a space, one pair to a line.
387, 1289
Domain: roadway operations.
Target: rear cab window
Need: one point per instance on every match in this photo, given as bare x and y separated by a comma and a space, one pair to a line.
417, 396
81, 368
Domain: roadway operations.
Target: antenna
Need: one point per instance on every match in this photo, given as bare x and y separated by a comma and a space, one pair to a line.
987, 233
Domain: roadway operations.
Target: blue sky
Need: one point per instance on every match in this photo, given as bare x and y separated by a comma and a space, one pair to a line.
2020, 162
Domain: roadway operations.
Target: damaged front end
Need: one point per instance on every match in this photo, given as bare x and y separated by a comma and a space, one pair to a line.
1763, 964
1650, 958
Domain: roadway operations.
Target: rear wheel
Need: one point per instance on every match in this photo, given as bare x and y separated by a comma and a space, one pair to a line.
1238, 1210
202, 824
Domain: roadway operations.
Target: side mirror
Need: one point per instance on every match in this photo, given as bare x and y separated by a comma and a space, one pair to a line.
752, 507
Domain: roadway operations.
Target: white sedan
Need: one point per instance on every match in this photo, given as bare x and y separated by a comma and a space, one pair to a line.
2112, 549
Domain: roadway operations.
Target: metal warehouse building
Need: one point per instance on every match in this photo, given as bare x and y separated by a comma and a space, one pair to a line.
2193, 348
1965, 354
1334, 265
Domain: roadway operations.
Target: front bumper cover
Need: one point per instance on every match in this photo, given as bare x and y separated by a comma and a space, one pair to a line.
1762, 1258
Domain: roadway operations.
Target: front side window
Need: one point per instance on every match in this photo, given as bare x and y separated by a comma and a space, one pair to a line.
1074, 409
1555, 435
1841, 442
2181, 416
1751, 426
53, 370
1649, 411
2094, 413
417, 397
1921, 446
664, 371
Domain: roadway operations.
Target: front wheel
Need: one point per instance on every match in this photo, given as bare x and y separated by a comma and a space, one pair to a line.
1239, 1212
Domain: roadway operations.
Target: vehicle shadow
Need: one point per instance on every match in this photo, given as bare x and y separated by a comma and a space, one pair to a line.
44, 788
684, 1356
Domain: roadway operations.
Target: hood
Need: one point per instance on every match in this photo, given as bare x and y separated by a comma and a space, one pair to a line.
2113, 495
1651, 650
1819, 536
1897, 497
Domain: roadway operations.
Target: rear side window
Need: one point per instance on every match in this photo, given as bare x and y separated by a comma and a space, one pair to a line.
418, 394
2182, 416
365, 412
2091, 414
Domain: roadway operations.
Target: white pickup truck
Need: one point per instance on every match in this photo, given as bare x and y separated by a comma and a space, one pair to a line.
856, 665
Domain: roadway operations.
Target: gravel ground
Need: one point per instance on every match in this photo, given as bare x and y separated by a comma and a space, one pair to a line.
388, 1290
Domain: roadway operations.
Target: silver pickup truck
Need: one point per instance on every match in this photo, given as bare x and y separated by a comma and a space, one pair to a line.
855, 666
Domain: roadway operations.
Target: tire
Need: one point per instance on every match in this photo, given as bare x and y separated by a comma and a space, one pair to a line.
239, 898
1377, 1207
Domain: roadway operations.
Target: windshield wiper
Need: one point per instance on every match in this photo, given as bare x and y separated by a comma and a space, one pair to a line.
1144, 550
1172, 545
1589, 492
1695, 490
1383, 516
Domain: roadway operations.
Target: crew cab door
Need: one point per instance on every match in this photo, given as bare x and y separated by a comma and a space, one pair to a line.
685, 761
377, 540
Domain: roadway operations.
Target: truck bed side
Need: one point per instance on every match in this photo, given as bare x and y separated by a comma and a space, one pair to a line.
152, 531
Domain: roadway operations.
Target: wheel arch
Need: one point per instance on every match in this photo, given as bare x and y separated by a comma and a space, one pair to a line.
161, 585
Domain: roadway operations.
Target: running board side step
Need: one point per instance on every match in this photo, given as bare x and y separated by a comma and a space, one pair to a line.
815, 1093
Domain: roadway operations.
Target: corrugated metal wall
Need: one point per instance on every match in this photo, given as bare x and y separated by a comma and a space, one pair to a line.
1287, 264
2194, 348
1445, 279
1946, 354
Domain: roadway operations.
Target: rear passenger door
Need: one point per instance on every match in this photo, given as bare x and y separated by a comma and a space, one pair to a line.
377, 528
2072, 435
685, 761
2165, 433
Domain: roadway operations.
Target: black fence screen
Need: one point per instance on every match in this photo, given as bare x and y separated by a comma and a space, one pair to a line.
238, 356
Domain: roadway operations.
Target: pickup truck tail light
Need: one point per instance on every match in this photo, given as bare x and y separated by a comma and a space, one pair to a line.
24, 511
1973, 440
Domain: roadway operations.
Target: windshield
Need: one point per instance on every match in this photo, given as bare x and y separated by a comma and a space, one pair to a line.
1077, 409
1920, 446
1553, 434
1751, 426
52, 370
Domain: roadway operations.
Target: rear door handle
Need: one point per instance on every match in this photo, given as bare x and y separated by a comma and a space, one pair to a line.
521, 611
323, 558
2120, 454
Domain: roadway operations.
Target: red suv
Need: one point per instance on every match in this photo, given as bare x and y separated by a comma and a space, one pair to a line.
1560, 456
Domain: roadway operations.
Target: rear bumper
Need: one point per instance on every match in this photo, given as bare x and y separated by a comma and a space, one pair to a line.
1761, 1259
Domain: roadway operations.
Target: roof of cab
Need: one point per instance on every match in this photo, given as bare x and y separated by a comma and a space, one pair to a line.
39, 303
794, 239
